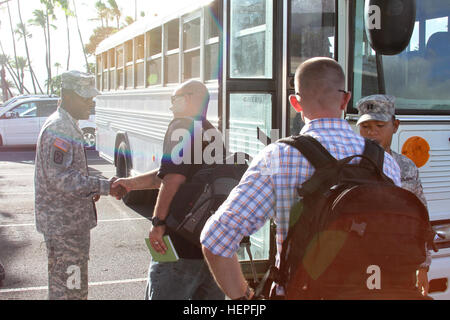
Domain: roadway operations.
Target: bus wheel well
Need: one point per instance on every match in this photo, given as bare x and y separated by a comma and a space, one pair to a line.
123, 170
123, 160
120, 139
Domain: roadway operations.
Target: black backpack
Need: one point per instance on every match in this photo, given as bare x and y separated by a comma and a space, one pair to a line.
203, 194
354, 234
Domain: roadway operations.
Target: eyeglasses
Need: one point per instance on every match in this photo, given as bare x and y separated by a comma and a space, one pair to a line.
295, 99
297, 95
178, 96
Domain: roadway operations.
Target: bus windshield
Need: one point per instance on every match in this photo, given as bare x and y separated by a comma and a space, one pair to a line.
419, 77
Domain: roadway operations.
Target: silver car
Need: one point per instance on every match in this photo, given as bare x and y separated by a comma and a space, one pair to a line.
22, 120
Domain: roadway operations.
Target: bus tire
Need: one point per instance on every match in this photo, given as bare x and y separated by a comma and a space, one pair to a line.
123, 170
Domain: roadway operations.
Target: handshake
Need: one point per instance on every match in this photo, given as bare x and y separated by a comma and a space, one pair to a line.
119, 187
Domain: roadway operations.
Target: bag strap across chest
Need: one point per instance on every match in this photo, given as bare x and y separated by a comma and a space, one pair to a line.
320, 157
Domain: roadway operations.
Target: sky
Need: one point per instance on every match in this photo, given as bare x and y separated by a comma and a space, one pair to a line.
86, 12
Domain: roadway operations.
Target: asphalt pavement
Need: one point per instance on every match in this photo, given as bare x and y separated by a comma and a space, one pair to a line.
119, 258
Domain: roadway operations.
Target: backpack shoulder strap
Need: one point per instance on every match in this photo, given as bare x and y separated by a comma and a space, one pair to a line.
311, 149
373, 151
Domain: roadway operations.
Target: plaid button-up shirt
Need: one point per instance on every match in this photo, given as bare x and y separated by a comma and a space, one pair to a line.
269, 187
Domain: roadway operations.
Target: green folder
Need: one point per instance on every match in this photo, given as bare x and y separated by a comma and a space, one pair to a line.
171, 254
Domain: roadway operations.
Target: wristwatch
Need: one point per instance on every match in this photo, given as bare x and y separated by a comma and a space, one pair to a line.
157, 222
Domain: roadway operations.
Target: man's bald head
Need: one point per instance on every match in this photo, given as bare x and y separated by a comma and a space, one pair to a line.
198, 94
319, 81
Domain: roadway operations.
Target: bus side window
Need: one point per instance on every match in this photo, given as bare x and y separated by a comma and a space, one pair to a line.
172, 64
212, 60
154, 60
438, 54
312, 31
191, 47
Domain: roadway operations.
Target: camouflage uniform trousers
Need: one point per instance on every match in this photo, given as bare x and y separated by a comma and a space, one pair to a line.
68, 258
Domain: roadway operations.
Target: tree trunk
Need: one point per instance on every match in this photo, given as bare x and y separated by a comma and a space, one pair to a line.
46, 56
26, 48
37, 81
49, 60
10, 69
68, 42
81, 38
15, 51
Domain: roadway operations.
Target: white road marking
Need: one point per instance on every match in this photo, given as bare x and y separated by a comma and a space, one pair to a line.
17, 225
91, 284
99, 221
16, 194
9, 175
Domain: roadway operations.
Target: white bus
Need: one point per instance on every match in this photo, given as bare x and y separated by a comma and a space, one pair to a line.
246, 52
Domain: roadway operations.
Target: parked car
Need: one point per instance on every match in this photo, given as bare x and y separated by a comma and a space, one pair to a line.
26, 96
22, 120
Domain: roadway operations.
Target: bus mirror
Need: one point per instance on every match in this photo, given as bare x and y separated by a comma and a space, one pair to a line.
389, 24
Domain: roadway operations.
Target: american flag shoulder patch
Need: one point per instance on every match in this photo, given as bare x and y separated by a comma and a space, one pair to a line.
61, 144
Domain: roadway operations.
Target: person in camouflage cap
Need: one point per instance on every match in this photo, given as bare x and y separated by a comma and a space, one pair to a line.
65, 194
377, 107
377, 121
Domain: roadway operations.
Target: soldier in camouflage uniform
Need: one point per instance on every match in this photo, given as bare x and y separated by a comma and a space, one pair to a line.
64, 193
377, 122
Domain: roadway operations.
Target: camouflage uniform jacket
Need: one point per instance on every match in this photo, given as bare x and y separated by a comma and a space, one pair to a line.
63, 188
411, 182
410, 176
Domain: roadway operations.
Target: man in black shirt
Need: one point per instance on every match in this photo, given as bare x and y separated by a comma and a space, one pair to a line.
188, 278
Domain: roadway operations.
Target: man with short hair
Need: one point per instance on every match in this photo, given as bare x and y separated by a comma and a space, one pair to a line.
188, 278
64, 192
269, 187
378, 122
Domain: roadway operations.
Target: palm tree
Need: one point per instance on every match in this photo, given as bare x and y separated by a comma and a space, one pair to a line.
23, 33
81, 38
40, 20
6, 61
103, 12
14, 43
116, 12
3, 83
98, 35
128, 20
68, 13
22, 64
49, 13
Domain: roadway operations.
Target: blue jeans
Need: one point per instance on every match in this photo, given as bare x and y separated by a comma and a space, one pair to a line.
182, 280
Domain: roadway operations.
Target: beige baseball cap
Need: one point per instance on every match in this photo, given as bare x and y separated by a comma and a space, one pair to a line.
377, 107
81, 83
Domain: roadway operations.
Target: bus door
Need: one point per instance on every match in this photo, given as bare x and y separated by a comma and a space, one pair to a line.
265, 41
249, 93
